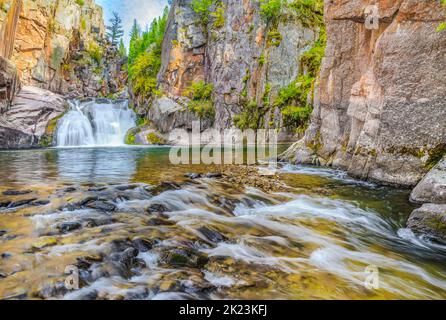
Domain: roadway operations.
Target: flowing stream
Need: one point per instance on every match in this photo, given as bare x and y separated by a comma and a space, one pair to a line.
96, 122
135, 227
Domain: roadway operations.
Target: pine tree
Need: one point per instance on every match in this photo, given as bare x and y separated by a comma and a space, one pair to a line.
122, 48
115, 30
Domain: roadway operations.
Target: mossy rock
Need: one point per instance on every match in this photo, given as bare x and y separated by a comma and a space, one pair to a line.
156, 139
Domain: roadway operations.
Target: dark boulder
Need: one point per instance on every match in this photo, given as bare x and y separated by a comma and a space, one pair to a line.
102, 205
156, 208
212, 235
16, 192
69, 226
20, 203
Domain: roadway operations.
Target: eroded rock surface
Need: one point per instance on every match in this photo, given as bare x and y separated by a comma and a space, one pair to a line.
236, 56
25, 123
380, 110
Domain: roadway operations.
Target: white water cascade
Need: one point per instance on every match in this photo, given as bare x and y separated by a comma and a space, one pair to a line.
95, 123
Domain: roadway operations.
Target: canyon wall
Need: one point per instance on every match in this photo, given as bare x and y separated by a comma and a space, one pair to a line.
243, 56
49, 51
381, 110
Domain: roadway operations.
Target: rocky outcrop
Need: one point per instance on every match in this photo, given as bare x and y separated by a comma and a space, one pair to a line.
380, 110
237, 53
60, 46
51, 47
9, 84
167, 115
26, 123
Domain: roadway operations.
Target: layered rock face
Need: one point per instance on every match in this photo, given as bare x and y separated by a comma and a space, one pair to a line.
26, 123
381, 110
59, 45
56, 50
235, 53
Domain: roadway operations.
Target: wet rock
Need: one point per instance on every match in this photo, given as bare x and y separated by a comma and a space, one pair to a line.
159, 221
165, 186
98, 221
143, 244
97, 189
121, 198
4, 203
3, 275
69, 189
127, 187
184, 257
40, 202
86, 200
193, 176
6, 255
50, 290
156, 208
16, 192
20, 203
69, 226
101, 205
430, 220
119, 245
87, 261
3, 232
128, 257
212, 235
214, 175
43, 243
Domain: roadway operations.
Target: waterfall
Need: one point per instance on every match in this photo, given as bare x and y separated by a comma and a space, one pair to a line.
95, 123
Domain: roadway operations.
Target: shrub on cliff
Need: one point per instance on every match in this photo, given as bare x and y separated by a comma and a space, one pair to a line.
201, 102
145, 56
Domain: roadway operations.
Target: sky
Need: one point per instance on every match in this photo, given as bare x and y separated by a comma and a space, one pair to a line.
144, 11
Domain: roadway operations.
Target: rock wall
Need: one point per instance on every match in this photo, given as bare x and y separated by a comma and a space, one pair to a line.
381, 109
235, 54
59, 46
55, 50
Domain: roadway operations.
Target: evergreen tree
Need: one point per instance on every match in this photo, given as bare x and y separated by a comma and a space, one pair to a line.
122, 48
115, 30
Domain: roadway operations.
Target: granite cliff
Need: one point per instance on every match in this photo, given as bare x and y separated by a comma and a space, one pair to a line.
380, 112
245, 56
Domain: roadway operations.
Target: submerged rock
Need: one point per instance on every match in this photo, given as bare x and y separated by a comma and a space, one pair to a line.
40, 202
4, 203
20, 203
143, 244
193, 176
430, 219
43, 243
127, 187
184, 257
70, 189
156, 208
212, 235
102, 205
69, 226
165, 186
16, 192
